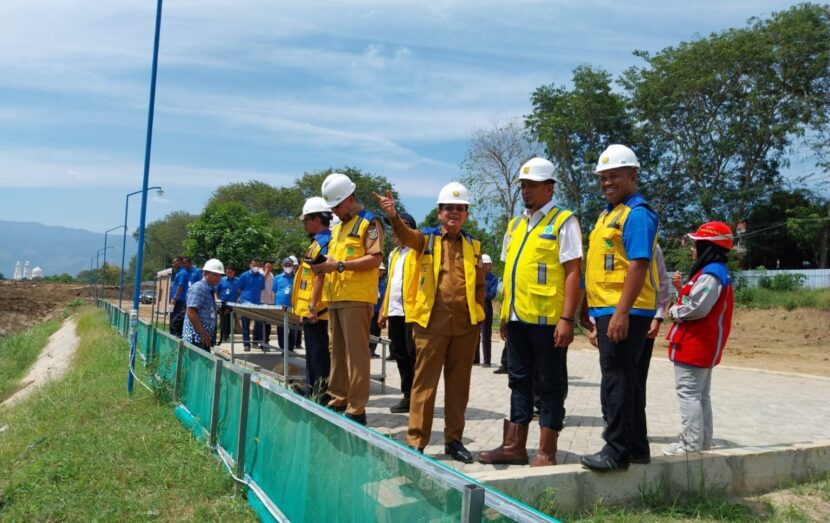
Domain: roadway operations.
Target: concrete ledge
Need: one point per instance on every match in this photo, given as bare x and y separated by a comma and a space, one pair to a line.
736, 472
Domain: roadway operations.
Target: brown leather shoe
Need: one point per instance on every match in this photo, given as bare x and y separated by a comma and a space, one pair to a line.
513, 449
546, 455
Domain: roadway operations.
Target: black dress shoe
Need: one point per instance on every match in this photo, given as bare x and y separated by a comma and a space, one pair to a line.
337, 408
402, 407
500, 370
357, 418
602, 462
456, 450
645, 459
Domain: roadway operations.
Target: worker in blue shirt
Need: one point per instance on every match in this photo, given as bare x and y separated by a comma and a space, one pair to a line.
283, 283
374, 328
195, 274
249, 288
227, 292
181, 282
491, 287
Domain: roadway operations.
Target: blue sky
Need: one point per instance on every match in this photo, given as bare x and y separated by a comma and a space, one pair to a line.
269, 90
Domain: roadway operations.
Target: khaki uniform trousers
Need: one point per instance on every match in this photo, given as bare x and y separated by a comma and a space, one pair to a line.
434, 352
349, 376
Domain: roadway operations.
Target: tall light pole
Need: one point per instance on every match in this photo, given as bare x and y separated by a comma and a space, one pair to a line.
98, 267
139, 259
124, 241
104, 286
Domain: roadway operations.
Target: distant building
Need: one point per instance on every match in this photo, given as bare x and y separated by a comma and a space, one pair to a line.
18, 272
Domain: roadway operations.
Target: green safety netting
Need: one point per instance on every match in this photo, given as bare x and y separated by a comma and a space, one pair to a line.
309, 463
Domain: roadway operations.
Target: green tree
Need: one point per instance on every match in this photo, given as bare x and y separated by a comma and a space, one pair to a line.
230, 233
725, 109
259, 197
309, 185
575, 125
809, 225
163, 239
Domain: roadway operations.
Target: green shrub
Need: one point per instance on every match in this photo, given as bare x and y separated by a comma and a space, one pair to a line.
782, 282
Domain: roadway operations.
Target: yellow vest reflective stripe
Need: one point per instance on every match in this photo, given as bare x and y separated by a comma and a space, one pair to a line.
303, 282
347, 243
607, 264
429, 264
534, 279
410, 280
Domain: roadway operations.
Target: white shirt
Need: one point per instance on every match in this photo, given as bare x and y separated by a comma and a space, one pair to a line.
570, 238
395, 306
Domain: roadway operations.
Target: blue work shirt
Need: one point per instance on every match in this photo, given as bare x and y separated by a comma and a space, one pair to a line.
181, 279
199, 297
195, 274
638, 235
227, 288
250, 286
283, 283
381, 293
491, 283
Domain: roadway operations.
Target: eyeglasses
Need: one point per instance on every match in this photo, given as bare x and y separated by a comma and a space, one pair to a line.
453, 208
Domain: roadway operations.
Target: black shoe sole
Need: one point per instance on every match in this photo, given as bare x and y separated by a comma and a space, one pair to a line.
640, 460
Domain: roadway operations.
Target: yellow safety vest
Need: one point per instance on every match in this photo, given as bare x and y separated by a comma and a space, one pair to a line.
428, 267
303, 283
607, 264
347, 243
534, 279
410, 281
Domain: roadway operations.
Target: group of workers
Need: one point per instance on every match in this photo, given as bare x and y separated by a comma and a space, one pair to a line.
438, 294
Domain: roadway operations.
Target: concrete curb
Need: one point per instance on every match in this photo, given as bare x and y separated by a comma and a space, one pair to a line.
735, 472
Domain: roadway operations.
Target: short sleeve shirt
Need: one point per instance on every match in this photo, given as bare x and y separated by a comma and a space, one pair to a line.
199, 297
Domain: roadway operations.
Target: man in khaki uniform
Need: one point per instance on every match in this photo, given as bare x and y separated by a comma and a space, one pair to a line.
351, 290
446, 313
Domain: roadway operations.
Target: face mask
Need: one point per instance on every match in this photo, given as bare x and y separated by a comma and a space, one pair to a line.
255, 270
288, 270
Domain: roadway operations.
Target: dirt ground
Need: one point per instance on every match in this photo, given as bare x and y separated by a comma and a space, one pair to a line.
776, 339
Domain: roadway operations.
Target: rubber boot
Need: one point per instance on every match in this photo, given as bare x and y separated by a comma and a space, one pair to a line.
546, 455
513, 449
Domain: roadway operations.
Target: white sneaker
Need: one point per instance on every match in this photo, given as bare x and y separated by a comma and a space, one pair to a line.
678, 449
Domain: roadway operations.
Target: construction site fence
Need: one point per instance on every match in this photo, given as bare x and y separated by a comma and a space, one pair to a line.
299, 461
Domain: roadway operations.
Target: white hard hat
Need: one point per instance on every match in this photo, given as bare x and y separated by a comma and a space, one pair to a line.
214, 265
485, 258
336, 188
616, 156
454, 192
537, 170
294, 260
313, 205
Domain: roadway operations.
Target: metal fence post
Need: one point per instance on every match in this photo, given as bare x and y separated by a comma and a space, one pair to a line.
178, 378
243, 427
472, 503
233, 324
214, 411
285, 337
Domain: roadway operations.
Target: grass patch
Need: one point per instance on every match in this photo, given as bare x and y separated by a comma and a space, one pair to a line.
19, 351
760, 298
82, 450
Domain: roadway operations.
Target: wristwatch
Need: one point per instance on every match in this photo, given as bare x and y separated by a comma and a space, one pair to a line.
341, 266
312, 308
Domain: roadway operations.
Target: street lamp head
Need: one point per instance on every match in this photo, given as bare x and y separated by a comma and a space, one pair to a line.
159, 192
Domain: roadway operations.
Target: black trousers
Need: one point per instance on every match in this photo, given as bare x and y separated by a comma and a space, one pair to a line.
177, 318
535, 365
246, 331
402, 348
225, 326
292, 337
620, 381
639, 436
486, 334
317, 356
263, 331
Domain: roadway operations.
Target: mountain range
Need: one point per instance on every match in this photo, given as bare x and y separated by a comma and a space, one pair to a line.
57, 249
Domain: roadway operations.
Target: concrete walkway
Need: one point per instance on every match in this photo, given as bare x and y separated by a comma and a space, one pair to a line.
752, 408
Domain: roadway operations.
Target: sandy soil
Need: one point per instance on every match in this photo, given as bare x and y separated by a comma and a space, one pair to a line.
24, 303
52, 363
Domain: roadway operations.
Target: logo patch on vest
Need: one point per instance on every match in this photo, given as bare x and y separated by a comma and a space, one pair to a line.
609, 244
349, 250
372, 232
549, 229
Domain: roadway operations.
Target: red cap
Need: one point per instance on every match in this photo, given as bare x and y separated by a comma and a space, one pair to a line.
716, 232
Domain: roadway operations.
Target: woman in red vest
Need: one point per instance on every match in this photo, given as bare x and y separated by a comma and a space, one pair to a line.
702, 319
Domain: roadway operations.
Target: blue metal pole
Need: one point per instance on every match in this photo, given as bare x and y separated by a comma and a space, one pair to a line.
124, 244
140, 255
104, 285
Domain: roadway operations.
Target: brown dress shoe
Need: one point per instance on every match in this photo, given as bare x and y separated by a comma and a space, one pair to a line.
513, 449
546, 455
